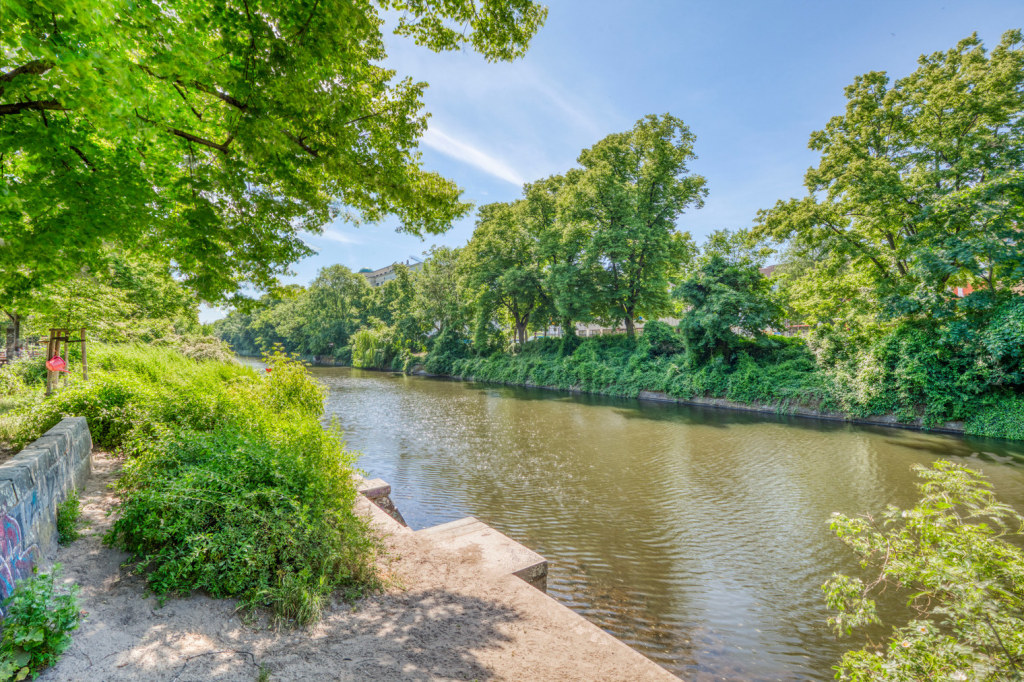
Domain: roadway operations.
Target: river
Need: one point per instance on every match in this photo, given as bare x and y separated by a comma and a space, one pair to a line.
698, 536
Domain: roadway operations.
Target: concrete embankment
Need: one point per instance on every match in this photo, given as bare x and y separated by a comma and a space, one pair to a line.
790, 410
548, 640
452, 613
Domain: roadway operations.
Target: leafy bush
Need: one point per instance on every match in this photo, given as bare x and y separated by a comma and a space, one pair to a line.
36, 624
1002, 417
374, 347
68, 513
449, 347
728, 302
232, 485
204, 348
1003, 338
911, 371
31, 371
10, 382
265, 519
775, 371
953, 556
662, 339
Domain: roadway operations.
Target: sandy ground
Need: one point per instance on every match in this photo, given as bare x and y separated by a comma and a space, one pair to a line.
455, 620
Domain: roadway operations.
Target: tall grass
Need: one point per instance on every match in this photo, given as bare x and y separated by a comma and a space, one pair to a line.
231, 485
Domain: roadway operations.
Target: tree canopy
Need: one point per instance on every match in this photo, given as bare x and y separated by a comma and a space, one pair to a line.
212, 134
727, 302
632, 188
503, 269
920, 182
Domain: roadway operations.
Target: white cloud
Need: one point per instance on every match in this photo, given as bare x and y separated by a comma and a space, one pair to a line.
340, 237
467, 153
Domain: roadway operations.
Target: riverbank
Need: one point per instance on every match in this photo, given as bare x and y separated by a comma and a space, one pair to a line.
445, 616
790, 410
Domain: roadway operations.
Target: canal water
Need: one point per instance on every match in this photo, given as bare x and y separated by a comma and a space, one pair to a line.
698, 536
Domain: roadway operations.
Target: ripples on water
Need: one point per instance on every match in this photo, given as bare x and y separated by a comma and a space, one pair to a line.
698, 536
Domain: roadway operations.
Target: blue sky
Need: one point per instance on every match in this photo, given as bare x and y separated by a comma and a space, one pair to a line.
751, 79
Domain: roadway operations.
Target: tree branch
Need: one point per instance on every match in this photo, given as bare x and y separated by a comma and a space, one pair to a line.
223, 148
34, 105
83, 157
305, 147
187, 103
308, 19
223, 96
36, 67
842, 235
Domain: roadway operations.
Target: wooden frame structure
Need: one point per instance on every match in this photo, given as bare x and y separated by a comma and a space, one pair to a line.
58, 336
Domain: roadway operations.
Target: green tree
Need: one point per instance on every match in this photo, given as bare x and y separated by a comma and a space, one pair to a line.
235, 329
130, 296
439, 297
955, 556
278, 320
394, 303
570, 281
919, 186
503, 269
214, 133
632, 189
334, 307
729, 302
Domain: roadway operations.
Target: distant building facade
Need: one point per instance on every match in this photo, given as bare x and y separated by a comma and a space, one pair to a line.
387, 273
594, 329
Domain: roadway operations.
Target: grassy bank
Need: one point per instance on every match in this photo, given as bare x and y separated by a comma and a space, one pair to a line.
780, 372
231, 485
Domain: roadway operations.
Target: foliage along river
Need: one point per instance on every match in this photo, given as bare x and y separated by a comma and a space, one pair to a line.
698, 536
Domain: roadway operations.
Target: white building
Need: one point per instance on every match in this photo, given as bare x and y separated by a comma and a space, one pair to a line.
387, 273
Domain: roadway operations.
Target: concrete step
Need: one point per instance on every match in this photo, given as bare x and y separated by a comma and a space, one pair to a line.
497, 550
378, 491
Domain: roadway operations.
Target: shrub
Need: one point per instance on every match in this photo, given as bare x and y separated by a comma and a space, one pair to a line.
662, 339
30, 370
10, 382
1002, 417
964, 581
68, 513
267, 520
36, 624
449, 347
373, 347
232, 485
204, 348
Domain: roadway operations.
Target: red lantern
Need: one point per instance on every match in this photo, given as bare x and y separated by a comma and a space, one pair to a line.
56, 364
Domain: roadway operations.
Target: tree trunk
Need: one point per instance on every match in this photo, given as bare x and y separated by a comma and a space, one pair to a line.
521, 334
13, 336
630, 331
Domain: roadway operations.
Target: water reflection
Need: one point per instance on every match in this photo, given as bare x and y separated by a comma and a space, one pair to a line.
698, 536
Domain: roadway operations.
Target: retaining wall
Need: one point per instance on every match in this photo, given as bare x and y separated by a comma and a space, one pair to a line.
32, 484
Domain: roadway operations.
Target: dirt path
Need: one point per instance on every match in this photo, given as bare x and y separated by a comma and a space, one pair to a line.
454, 621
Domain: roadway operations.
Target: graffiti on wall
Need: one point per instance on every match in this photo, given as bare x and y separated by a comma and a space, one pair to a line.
16, 562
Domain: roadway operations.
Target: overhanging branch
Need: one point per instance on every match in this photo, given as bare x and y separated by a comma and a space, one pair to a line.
35, 105
36, 68
223, 148
301, 143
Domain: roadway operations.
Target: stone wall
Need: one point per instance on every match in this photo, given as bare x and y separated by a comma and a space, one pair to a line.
32, 484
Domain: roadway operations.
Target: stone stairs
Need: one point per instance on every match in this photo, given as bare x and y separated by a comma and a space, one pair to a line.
496, 549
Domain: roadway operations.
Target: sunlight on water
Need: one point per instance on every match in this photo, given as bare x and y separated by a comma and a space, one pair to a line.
698, 536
